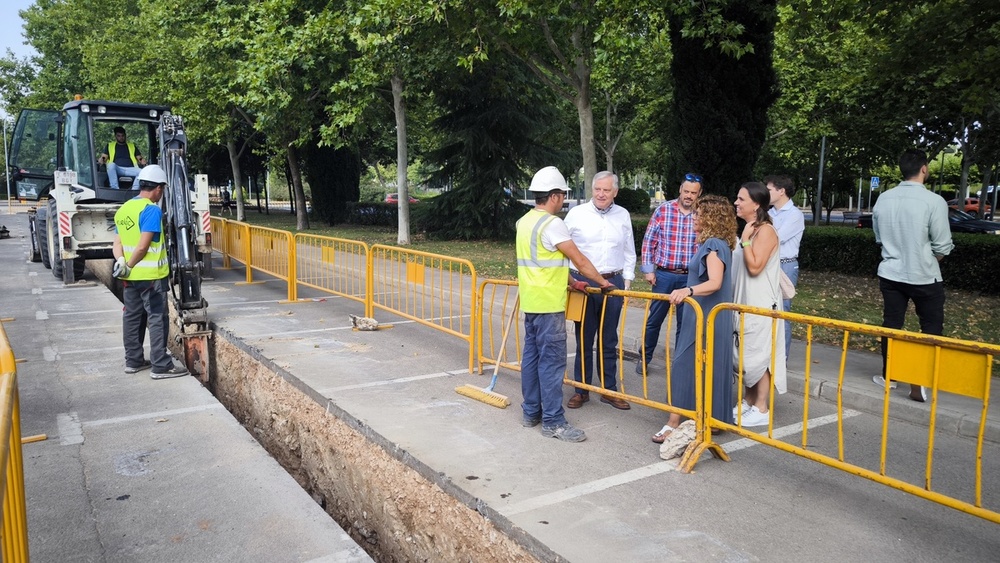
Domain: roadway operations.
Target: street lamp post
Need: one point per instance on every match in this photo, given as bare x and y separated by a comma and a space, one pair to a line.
6, 163
944, 151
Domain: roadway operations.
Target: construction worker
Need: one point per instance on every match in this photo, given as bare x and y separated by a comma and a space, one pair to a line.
122, 158
140, 252
544, 251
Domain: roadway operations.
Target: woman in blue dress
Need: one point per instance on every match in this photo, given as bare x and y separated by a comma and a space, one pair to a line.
709, 283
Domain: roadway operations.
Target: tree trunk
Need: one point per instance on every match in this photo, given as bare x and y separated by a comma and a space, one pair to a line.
586, 113
301, 217
963, 185
399, 107
234, 164
609, 145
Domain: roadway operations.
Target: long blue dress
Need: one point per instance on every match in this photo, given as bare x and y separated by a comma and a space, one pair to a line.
682, 372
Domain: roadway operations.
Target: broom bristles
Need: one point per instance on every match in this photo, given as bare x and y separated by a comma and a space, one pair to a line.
489, 397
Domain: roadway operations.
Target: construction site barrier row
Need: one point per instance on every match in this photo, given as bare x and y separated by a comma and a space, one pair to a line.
940, 364
431, 289
443, 293
14, 535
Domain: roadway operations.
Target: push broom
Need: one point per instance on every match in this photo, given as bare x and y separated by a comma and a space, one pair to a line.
487, 394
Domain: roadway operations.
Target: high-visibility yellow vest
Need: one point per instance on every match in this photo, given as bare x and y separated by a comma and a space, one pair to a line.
131, 152
542, 274
154, 264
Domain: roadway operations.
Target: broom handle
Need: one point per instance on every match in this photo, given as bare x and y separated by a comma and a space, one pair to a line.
506, 332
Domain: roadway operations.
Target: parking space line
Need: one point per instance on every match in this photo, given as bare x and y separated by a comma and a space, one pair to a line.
582, 489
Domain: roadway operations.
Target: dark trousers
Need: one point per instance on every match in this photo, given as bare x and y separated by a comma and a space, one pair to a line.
583, 365
666, 283
146, 307
927, 299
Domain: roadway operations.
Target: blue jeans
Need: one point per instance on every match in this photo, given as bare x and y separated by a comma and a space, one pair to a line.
114, 171
791, 270
146, 307
658, 310
543, 364
583, 365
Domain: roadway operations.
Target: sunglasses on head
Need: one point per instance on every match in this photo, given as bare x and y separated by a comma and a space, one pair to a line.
692, 178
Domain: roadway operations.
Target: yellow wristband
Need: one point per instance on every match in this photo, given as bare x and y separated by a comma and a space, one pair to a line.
746, 243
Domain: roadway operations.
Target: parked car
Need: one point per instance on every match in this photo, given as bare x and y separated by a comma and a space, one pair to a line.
394, 198
971, 206
959, 221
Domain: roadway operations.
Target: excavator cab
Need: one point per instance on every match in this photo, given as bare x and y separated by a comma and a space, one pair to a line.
74, 139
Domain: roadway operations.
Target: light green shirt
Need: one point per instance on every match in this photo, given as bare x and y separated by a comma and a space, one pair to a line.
911, 224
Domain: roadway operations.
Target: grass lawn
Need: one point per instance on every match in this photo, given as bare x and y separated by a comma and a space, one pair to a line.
968, 315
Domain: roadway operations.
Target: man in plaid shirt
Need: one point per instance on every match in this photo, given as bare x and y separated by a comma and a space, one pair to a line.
667, 248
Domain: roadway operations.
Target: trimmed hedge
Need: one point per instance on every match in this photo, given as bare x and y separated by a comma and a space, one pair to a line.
853, 252
635, 201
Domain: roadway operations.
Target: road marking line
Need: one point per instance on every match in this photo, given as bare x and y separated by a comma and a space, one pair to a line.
744, 443
571, 493
149, 415
582, 489
383, 382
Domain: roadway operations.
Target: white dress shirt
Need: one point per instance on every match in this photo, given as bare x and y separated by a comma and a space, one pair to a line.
790, 224
604, 237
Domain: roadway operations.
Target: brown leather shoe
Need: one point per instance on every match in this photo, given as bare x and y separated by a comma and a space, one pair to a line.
620, 404
577, 400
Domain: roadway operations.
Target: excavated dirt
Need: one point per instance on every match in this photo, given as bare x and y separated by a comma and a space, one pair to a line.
387, 505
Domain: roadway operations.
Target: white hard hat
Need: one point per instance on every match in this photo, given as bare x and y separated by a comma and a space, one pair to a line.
153, 174
548, 179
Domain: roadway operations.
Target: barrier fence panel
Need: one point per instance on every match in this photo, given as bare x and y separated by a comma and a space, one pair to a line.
495, 302
272, 251
220, 240
237, 246
940, 364
337, 266
431, 289
14, 535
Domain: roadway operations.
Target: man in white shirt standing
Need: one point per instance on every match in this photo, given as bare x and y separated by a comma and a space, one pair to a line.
790, 224
603, 233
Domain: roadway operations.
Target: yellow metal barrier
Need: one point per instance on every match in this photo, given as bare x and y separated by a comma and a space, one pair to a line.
272, 251
14, 535
220, 240
334, 265
912, 358
431, 289
237, 244
496, 298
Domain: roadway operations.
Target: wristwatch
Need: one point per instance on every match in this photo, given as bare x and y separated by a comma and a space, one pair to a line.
691, 290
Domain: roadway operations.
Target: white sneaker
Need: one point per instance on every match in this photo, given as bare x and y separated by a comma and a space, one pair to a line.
743, 407
753, 417
880, 381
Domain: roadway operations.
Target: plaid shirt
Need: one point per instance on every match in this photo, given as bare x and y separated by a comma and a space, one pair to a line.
670, 239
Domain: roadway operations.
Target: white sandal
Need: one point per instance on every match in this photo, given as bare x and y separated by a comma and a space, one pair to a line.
663, 434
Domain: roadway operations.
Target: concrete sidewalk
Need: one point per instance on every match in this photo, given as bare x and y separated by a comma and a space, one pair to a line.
135, 469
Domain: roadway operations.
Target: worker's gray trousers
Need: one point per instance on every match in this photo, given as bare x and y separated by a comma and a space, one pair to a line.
146, 307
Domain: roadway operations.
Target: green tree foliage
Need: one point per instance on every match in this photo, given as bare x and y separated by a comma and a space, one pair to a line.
491, 121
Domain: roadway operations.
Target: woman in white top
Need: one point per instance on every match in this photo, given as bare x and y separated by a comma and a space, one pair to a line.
756, 271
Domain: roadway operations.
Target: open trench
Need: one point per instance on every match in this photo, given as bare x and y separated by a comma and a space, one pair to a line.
396, 507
